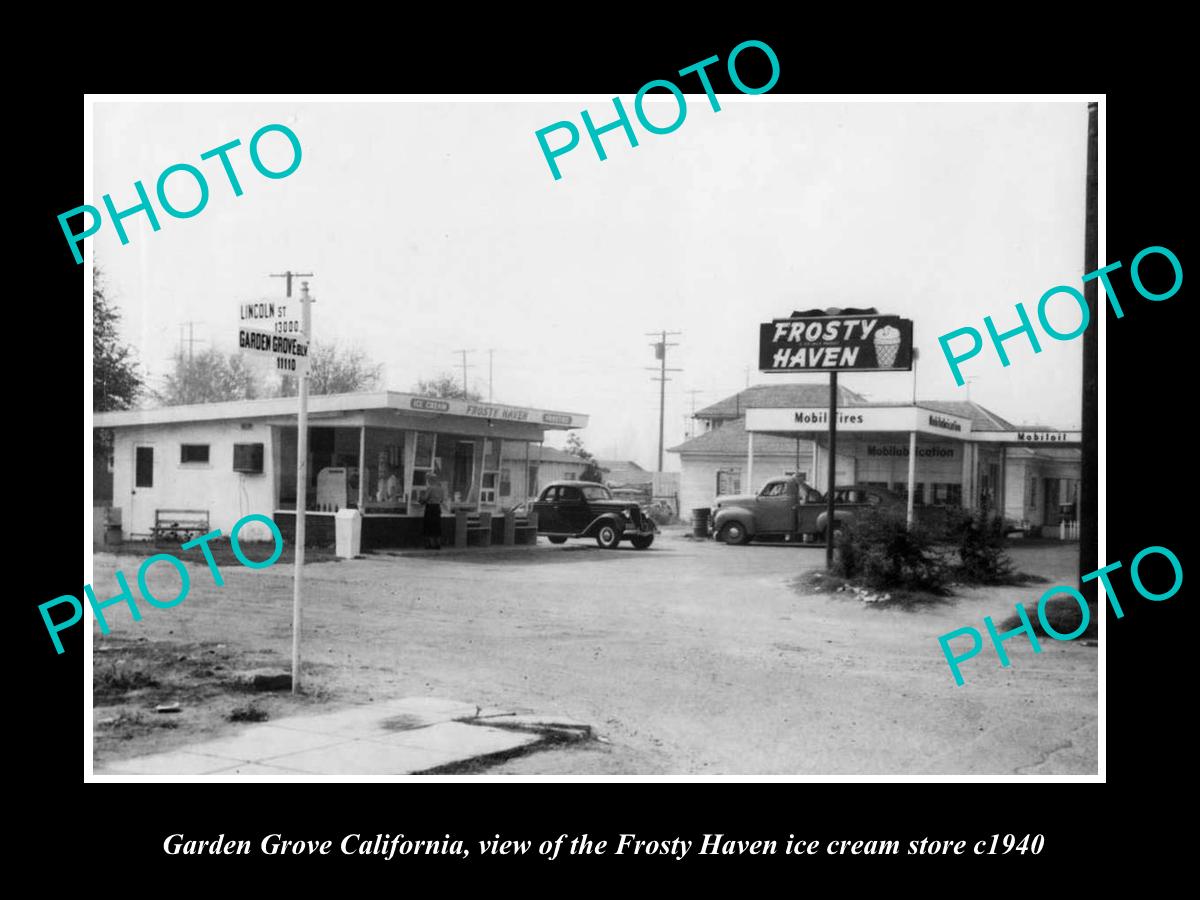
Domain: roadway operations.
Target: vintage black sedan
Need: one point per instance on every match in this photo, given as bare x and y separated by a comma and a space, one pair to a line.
584, 509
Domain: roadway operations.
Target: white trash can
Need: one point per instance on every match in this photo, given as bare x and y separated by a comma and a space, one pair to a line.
347, 526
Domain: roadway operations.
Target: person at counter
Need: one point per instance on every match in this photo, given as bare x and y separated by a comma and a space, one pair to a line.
389, 487
432, 522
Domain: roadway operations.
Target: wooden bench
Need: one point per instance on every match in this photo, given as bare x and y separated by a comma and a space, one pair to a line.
179, 525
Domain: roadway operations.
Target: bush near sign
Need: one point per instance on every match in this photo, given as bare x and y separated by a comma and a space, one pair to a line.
855, 340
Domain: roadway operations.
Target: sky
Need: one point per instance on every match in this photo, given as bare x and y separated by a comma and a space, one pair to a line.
432, 227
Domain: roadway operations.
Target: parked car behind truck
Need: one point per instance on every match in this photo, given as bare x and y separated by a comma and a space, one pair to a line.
789, 509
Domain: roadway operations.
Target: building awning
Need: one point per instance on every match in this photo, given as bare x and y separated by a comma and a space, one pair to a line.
852, 419
331, 405
877, 422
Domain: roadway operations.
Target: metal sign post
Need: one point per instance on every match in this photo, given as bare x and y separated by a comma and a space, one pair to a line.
835, 340
301, 486
832, 470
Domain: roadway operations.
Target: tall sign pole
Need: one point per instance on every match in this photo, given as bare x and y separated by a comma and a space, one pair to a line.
301, 486
833, 398
832, 341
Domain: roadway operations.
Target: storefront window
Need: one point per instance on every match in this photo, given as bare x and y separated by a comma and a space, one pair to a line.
945, 494
729, 481
424, 458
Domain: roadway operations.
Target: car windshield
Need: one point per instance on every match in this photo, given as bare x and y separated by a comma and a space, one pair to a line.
598, 492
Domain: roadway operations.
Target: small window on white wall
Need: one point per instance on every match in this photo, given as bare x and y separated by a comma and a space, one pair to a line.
193, 453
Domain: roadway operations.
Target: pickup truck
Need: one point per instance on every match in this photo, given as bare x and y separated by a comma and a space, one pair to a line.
788, 508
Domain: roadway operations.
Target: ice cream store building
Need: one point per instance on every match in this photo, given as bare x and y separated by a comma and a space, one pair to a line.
375, 452
962, 454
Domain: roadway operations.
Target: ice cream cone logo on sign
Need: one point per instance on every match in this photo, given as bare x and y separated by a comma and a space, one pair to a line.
887, 345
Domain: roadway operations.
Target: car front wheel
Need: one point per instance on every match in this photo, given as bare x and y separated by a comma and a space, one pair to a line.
642, 541
734, 534
608, 537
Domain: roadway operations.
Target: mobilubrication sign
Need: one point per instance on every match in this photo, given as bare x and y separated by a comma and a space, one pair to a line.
858, 343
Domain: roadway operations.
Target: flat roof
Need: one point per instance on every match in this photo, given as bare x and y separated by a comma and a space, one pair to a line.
274, 407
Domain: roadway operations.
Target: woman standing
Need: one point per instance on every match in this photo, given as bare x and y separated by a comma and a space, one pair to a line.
432, 523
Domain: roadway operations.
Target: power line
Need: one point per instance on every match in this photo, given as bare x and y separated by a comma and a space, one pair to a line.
191, 340
464, 368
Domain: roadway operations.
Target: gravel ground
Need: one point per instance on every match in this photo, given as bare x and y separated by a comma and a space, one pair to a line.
688, 658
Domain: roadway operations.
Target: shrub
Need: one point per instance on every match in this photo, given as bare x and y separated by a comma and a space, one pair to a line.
981, 550
879, 550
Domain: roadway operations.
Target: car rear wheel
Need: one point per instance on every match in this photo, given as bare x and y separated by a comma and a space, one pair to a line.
642, 541
556, 540
734, 534
608, 537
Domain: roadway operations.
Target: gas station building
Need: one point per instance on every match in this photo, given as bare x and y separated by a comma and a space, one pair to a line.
943, 453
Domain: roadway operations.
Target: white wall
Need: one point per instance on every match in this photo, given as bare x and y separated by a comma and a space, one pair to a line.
1016, 490
213, 486
698, 475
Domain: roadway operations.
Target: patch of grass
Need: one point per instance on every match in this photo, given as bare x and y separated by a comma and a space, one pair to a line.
1062, 614
222, 552
247, 713
116, 679
837, 586
1010, 579
129, 725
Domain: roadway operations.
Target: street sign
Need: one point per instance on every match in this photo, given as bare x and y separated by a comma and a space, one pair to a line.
853, 341
273, 332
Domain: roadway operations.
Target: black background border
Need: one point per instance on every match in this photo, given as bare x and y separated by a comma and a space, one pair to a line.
1146, 435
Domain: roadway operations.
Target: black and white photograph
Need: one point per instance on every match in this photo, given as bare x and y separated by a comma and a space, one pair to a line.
677, 435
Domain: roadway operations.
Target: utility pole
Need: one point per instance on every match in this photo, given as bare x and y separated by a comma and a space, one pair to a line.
1085, 504
690, 423
660, 353
191, 340
301, 483
289, 275
491, 352
464, 368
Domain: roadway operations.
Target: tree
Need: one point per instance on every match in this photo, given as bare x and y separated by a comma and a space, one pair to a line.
334, 369
116, 382
210, 377
591, 471
445, 386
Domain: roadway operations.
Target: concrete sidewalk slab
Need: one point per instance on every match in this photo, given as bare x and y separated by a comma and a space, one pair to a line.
377, 719
475, 740
178, 762
397, 737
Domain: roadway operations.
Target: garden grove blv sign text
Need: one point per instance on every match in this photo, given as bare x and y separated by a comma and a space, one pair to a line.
858, 342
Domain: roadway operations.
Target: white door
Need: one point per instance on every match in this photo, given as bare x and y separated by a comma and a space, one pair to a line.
141, 503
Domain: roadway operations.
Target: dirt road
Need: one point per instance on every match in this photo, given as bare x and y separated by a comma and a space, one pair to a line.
691, 657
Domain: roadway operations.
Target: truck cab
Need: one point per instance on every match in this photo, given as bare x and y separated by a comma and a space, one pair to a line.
788, 509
